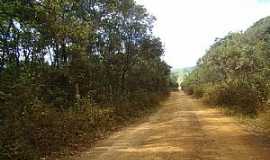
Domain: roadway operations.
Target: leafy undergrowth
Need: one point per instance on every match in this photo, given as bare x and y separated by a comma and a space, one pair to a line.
46, 133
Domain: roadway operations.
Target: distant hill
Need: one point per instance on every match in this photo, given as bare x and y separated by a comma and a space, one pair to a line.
180, 73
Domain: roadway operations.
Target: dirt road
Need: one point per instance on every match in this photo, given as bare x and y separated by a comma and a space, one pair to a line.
183, 129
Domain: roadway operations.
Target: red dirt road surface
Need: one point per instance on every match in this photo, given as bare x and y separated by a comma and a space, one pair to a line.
182, 129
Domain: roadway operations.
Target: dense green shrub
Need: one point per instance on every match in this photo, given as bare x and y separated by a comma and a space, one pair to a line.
239, 96
44, 130
235, 71
199, 90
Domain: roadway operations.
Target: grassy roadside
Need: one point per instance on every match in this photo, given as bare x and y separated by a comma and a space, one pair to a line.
257, 124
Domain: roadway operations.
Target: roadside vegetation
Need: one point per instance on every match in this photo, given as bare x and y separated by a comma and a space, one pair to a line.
70, 71
180, 73
235, 73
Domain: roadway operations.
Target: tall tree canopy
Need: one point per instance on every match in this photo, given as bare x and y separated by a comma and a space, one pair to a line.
56, 53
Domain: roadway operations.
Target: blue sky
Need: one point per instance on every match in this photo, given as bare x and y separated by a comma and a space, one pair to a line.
188, 27
263, 1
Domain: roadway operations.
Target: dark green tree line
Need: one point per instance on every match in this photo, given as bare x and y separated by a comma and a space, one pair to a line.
58, 54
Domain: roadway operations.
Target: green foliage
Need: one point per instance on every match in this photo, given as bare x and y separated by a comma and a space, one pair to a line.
235, 70
56, 54
182, 72
238, 96
174, 81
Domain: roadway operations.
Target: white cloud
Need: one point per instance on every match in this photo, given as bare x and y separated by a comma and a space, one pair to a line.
189, 27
